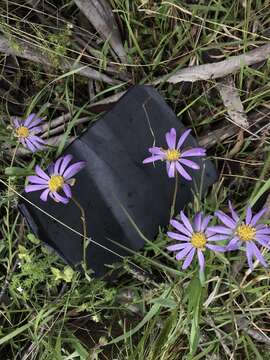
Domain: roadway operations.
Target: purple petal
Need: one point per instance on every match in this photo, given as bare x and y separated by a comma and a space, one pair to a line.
189, 259
183, 138
171, 172
186, 222
201, 259
31, 188
37, 180
180, 228
217, 238
29, 145
171, 138
260, 226
44, 195
263, 237
41, 173
29, 119
152, 158
234, 214
156, 151
74, 169
176, 247
50, 169
34, 123
263, 242
205, 222
218, 229
35, 130
57, 166
58, 198
67, 190
194, 152
16, 122
36, 140
264, 231
198, 221
183, 252
216, 248
176, 236
168, 167
249, 254
189, 163
257, 217
233, 244
257, 254
226, 219
182, 171
248, 215
33, 145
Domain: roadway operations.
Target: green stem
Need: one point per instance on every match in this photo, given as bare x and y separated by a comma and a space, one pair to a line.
174, 195
83, 218
8, 206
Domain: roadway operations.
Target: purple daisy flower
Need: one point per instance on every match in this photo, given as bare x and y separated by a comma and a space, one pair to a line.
26, 131
194, 238
245, 233
174, 157
59, 178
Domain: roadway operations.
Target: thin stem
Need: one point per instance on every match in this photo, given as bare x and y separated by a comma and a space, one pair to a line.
8, 208
174, 195
85, 239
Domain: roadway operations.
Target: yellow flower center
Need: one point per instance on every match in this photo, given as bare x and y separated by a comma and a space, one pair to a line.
246, 232
198, 240
22, 131
56, 183
172, 154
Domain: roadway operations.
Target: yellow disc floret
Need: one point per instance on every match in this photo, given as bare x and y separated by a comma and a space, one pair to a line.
198, 240
22, 132
172, 154
246, 232
56, 183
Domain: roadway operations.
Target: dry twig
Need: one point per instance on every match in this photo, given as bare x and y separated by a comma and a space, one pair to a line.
219, 69
25, 50
100, 15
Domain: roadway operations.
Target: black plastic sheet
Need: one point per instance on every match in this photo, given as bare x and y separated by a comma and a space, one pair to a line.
115, 182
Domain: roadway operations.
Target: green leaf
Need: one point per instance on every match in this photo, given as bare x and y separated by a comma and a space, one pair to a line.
65, 275
31, 237
194, 293
14, 333
17, 171
68, 274
169, 303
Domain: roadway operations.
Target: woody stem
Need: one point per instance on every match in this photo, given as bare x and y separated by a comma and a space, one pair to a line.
83, 218
174, 195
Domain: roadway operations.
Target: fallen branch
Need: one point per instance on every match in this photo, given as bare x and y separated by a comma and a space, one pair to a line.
217, 136
218, 69
61, 128
24, 50
258, 334
100, 15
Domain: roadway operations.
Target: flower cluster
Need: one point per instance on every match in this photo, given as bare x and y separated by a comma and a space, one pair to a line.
193, 237
197, 236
